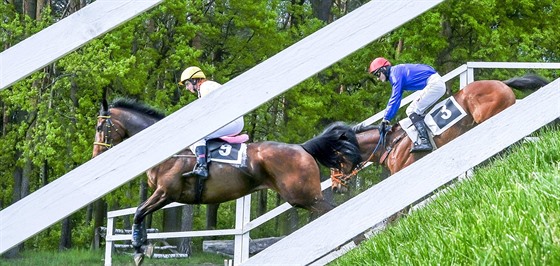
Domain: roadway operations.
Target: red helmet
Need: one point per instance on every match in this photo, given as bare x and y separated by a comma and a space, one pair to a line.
378, 63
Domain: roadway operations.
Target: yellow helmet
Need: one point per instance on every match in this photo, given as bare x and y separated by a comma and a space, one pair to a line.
191, 73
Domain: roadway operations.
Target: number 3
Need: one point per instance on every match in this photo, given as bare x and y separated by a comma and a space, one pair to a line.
445, 113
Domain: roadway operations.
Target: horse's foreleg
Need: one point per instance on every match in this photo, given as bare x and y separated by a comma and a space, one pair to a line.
154, 203
320, 207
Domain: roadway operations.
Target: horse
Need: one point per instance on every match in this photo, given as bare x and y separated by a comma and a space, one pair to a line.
289, 169
390, 147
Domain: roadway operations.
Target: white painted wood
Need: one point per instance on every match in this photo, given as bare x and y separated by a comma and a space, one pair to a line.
241, 246
334, 255
470, 75
222, 232
241, 95
518, 65
129, 211
108, 243
402, 189
463, 80
66, 36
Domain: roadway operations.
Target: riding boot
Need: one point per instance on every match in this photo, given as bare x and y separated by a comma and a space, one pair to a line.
423, 142
201, 167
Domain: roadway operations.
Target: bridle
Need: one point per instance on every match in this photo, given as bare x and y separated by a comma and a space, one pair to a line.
343, 179
107, 140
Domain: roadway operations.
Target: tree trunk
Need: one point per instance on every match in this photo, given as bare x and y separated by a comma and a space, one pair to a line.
262, 203
211, 218
65, 234
322, 9
185, 245
30, 8
66, 230
99, 209
41, 4
444, 57
172, 223
16, 195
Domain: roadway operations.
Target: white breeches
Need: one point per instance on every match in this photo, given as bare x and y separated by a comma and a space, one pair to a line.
233, 128
428, 96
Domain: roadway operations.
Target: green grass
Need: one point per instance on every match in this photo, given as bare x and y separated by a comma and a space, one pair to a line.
76, 257
507, 214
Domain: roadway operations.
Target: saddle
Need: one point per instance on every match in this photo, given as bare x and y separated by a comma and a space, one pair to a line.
441, 117
241, 138
228, 149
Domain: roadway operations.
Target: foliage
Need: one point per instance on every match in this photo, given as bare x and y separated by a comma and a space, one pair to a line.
48, 117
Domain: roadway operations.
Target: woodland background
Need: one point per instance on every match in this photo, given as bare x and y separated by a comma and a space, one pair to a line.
48, 119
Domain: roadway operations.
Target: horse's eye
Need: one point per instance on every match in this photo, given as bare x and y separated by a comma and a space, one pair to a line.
98, 128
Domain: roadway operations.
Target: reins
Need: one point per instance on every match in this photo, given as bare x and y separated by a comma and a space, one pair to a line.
342, 178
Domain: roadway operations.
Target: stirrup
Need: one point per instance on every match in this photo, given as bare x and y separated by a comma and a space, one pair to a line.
421, 147
199, 171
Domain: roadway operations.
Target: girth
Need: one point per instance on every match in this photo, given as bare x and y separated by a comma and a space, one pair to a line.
390, 147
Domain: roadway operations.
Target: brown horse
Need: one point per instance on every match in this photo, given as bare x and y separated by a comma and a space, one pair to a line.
289, 169
390, 147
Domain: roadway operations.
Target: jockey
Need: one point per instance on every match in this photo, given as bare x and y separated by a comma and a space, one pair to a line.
410, 77
195, 81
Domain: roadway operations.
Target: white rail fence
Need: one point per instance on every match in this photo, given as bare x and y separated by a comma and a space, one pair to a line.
244, 224
112, 169
330, 231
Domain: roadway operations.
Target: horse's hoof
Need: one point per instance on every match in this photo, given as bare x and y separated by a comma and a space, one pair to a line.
138, 258
149, 250
340, 189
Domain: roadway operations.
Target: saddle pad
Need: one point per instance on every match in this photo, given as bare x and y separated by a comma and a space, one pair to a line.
441, 117
233, 153
444, 115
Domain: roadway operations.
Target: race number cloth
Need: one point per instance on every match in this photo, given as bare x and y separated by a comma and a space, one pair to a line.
444, 115
221, 151
441, 117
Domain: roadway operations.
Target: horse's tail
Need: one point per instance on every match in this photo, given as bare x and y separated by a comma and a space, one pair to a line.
527, 82
336, 145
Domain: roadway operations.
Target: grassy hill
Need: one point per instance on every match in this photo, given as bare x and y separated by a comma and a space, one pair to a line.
508, 213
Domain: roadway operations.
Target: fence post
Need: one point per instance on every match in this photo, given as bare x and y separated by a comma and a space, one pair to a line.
108, 241
470, 73
241, 245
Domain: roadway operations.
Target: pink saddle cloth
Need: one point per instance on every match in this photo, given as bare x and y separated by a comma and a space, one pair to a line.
235, 138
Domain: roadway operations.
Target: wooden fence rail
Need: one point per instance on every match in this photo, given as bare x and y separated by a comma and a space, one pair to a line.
393, 194
242, 253
237, 97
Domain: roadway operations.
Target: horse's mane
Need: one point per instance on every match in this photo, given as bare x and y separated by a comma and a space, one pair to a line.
336, 137
359, 128
134, 105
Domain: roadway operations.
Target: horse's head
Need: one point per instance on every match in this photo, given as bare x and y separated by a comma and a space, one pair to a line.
107, 132
125, 118
372, 141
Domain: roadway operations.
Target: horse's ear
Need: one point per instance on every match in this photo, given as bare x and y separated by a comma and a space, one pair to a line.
104, 104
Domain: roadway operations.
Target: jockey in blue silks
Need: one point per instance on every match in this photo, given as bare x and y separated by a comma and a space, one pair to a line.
410, 77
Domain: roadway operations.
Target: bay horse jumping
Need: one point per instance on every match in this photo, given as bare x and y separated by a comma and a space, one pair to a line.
390, 147
289, 169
